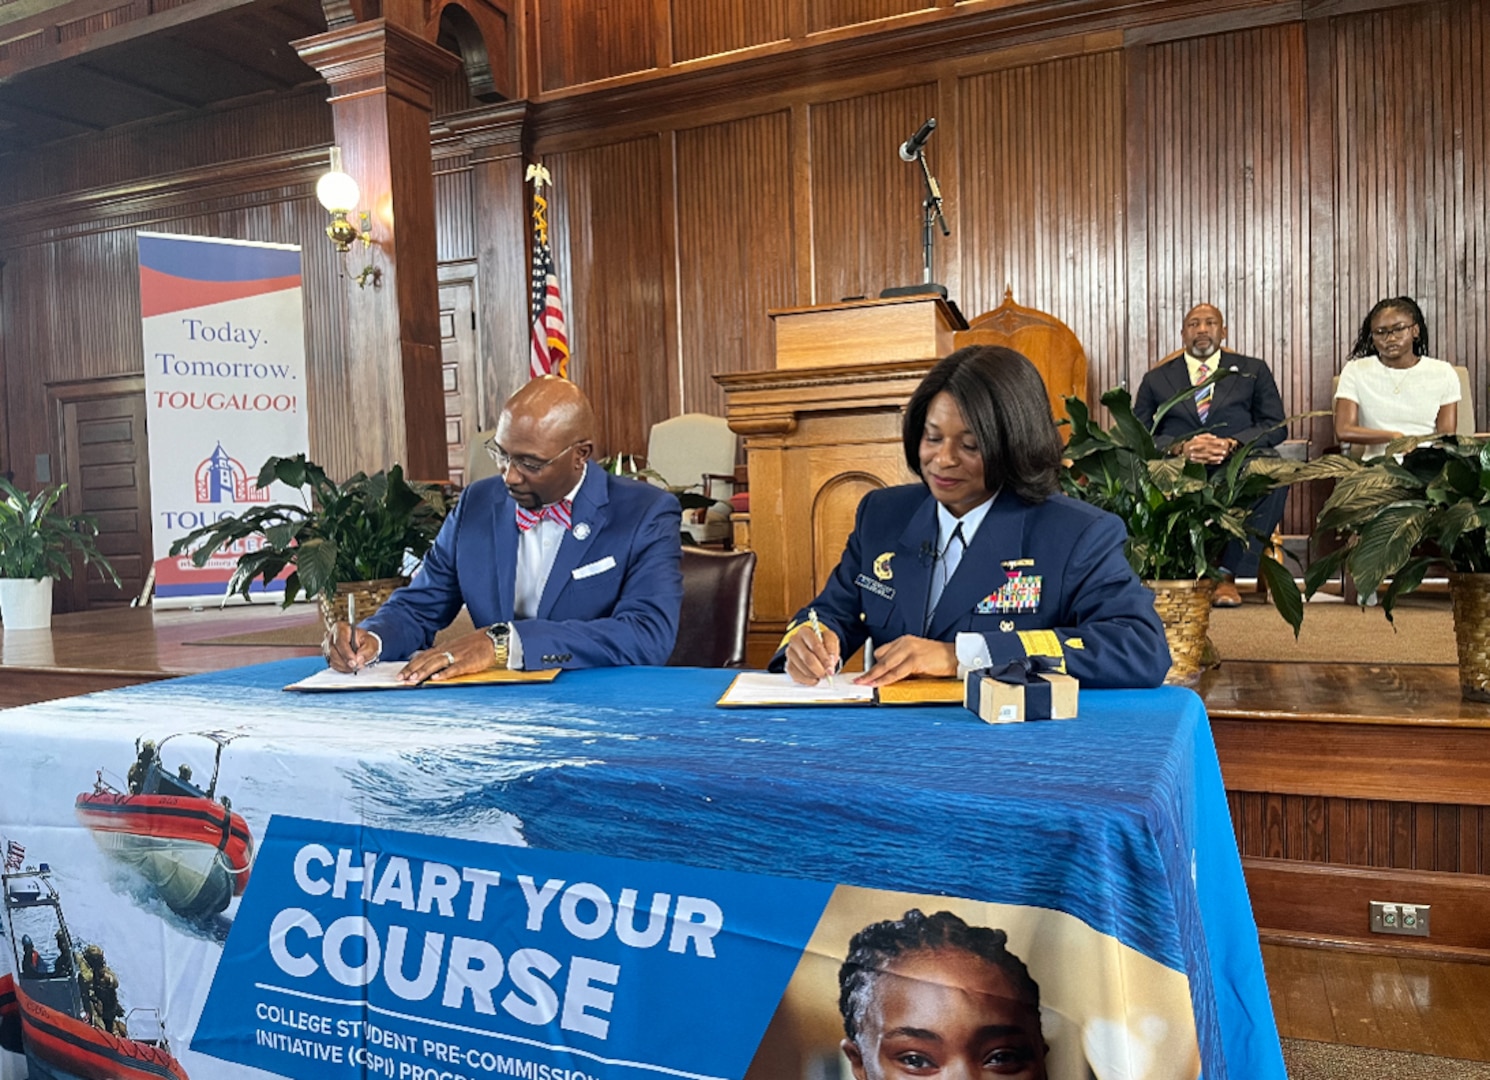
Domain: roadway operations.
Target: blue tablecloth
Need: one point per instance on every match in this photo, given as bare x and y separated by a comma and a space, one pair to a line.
1117, 818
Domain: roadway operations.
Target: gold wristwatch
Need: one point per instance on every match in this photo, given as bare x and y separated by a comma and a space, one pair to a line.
499, 633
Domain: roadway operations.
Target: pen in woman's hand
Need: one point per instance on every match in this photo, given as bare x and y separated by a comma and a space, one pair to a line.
352, 622
817, 628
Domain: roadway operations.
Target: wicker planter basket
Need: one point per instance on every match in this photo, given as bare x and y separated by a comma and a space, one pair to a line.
370, 595
1471, 596
1185, 609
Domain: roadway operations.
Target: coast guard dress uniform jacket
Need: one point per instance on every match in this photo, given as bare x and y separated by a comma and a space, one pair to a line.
611, 599
1046, 579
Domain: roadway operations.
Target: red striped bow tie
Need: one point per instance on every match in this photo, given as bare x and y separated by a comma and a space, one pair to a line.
558, 511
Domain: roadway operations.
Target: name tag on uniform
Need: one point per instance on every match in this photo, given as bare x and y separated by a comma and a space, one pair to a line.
599, 566
879, 588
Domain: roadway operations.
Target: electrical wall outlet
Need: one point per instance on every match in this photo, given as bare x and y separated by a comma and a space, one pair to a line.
1398, 918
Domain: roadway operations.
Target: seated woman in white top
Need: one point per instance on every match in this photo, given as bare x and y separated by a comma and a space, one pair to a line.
1391, 387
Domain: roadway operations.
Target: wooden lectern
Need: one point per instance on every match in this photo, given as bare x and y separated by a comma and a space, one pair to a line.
820, 431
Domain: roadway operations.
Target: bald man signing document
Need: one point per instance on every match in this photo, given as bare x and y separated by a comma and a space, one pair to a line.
560, 563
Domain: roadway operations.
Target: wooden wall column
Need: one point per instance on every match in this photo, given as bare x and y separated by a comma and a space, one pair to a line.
500, 210
381, 77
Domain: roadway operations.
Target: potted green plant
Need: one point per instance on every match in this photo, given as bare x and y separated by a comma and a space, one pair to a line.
1180, 517
37, 544
347, 540
1400, 517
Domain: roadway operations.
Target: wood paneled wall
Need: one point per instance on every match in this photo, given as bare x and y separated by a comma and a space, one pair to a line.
1041, 198
1412, 174
609, 219
708, 28
717, 159
1259, 160
1228, 211
70, 311
734, 188
1362, 832
865, 201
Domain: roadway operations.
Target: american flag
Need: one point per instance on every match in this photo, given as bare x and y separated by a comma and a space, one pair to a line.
15, 855
549, 354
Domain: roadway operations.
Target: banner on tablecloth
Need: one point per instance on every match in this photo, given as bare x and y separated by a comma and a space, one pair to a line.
357, 892
224, 389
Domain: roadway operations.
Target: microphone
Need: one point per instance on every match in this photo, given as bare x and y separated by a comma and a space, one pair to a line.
928, 554
912, 146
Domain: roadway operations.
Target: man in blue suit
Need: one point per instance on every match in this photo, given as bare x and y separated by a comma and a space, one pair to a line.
560, 563
982, 562
1216, 422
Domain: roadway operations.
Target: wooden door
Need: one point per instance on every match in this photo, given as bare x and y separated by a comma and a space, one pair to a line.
458, 360
104, 461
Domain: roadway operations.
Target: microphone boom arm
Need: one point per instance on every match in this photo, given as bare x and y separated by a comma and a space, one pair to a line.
932, 204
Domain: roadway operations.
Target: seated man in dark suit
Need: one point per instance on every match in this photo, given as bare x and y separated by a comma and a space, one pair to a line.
1218, 421
560, 563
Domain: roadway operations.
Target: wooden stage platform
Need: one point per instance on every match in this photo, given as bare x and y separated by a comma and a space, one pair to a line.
1347, 783
100, 650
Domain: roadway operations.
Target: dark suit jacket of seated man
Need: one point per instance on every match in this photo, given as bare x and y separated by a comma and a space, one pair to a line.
560, 563
612, 597
1245, 406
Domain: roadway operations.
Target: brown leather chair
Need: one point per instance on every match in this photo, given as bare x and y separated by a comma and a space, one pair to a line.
716, 608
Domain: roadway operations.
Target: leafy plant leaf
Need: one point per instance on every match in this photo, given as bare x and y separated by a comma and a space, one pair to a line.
353, 531
1284, 592
1386, 543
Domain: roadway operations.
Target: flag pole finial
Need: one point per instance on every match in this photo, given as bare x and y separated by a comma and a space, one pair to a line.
539, 176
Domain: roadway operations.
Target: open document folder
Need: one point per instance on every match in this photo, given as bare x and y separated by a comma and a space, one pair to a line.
764, 688
384, 676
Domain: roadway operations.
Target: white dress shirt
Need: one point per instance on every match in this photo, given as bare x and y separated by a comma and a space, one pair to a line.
536, 550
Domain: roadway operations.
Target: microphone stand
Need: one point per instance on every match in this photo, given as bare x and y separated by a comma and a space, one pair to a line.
932, 204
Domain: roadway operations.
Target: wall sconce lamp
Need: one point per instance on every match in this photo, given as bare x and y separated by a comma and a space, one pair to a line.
338, 193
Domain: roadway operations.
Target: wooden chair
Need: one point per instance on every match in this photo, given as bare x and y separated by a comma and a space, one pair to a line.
716, 608
1048, 342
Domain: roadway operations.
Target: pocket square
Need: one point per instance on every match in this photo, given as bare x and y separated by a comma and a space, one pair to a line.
599, 566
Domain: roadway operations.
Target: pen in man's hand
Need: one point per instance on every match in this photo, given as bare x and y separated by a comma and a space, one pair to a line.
352, 622
817, 628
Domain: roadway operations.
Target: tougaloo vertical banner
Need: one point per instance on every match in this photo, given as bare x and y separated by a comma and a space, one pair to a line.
224, 387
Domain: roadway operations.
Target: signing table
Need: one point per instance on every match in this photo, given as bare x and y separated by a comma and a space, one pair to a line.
608, 876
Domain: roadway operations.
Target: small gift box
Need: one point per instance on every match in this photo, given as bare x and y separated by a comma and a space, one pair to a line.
1027, 689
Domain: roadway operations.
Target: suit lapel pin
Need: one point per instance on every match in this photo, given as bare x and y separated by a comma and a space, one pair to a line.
582, 531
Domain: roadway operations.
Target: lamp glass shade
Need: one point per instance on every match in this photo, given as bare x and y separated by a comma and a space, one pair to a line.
337, 191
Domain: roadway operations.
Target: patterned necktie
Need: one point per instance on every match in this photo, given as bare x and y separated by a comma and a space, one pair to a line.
1203, 395
558, 511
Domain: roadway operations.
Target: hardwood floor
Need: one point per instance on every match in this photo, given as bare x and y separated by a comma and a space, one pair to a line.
86, 651
1389, 1002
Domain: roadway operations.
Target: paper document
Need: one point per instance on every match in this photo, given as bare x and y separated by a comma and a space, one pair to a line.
384, 676
765, 688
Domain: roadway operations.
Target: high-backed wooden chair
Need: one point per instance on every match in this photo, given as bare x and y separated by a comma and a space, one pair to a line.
1048, 342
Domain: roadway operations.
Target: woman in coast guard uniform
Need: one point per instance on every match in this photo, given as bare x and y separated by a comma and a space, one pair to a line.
983, 561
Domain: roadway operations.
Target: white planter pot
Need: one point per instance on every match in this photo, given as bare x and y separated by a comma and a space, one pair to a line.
26, 603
